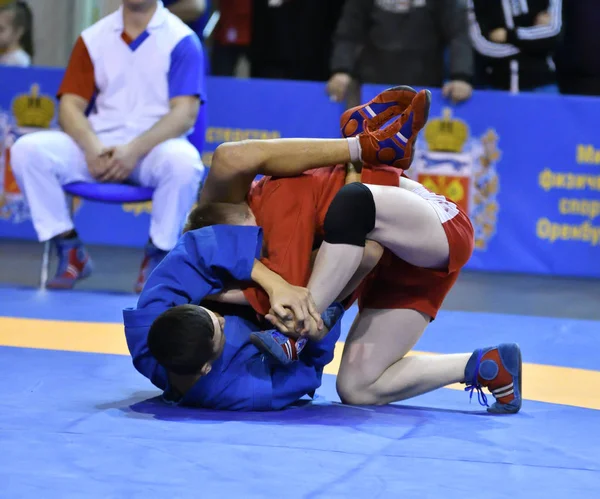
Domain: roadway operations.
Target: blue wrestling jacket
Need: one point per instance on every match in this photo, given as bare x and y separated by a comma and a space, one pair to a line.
203, 262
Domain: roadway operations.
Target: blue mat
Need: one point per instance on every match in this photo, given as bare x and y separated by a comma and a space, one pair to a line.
76, 425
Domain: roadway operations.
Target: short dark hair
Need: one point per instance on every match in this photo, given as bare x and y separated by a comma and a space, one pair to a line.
215, 214
181, 339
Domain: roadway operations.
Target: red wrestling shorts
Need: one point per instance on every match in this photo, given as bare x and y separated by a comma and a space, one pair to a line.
292, 211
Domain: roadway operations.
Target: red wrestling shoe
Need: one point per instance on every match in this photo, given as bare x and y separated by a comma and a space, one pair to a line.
152, 257
375, 113
74, 263
394, 144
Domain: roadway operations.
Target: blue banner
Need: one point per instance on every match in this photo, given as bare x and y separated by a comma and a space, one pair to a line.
526, 167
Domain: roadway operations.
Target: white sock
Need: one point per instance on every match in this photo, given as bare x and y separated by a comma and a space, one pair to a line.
355, 149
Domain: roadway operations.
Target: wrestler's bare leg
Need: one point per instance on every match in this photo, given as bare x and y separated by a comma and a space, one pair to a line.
409, 226
334, 268
374, 367
405, 223
371, 256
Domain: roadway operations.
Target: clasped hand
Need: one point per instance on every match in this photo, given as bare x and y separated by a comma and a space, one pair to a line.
113, 164
294, 313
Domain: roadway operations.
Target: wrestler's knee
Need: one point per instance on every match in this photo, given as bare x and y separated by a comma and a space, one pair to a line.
228, 156
350, 216
351, 391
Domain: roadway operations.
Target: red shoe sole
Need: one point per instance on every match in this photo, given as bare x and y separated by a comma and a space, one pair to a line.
404, 98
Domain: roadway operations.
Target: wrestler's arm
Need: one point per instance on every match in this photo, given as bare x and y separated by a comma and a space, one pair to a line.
205, 261
236, 164
283, 296
236, 296
261, 275
232, 296
199, 266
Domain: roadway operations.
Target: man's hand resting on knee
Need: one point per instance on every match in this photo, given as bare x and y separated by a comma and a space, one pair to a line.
121, 162
98, 163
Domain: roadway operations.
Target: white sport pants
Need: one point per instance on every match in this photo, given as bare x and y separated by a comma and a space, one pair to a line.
42, 162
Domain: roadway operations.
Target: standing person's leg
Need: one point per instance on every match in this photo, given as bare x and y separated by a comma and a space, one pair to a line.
42, 163
174, 169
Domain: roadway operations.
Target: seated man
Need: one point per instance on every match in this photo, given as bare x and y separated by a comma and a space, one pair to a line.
199, 358
428, 239
139, 73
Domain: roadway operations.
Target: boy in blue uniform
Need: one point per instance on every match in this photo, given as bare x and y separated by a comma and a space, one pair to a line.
201, 359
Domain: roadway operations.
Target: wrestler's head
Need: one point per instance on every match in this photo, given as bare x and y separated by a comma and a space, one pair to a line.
187, 339
220, 214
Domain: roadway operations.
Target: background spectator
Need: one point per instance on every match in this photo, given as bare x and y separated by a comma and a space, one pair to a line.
16, 34
189, 11
578, 57
402, 42
140, 71
515, 42
291, 39
195, 14
232, 36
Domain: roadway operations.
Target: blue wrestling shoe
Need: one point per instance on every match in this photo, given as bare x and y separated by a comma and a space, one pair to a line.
332, 315
287, 350
74, 263
376, 113
499, 369
281, 348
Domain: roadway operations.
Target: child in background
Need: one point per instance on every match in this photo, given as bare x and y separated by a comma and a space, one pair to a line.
16, 34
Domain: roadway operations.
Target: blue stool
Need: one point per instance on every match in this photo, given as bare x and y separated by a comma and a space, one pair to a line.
106, 193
